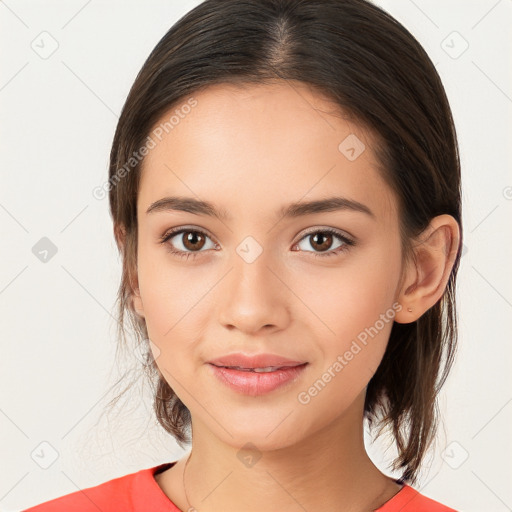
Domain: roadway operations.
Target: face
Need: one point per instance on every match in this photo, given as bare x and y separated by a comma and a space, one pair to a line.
318, 286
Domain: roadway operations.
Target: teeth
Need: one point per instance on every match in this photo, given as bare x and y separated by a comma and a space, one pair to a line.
257, 370
268, 369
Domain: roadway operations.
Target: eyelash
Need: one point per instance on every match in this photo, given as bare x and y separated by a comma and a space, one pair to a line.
347, 242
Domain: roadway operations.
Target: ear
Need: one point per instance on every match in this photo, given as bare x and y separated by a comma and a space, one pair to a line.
137, 302
425, 279
120, 237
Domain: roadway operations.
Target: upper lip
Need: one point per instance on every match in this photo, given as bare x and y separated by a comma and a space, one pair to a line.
254, 360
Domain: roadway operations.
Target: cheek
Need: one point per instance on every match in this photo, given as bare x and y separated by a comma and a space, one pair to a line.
355, 308
174, 299
161, 295
351, 338
350, 306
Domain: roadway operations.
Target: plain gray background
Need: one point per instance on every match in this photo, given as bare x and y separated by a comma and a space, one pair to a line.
66, 68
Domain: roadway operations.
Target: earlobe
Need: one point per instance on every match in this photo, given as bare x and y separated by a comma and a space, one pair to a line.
427, 276
119, 236
136, 300
137, 303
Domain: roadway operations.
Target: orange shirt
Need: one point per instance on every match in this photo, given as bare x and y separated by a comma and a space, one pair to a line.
139, 492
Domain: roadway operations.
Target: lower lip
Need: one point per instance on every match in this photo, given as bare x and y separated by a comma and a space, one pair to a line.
254, 384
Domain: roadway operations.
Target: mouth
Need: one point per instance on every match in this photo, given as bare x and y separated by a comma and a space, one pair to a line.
259, 380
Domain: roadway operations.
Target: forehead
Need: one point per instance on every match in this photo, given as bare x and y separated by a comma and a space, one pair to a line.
259, 147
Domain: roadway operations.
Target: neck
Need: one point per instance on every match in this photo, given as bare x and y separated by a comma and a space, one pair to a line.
329, 470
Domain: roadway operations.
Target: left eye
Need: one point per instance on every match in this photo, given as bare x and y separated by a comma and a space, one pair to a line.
322, 240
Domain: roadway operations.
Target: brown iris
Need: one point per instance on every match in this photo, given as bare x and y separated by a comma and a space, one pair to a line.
193, 240
322, 240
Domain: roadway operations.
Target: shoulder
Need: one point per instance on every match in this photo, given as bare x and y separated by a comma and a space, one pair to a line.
114, 495
409, 499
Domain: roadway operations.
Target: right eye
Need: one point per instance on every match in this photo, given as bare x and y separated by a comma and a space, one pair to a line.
189, 241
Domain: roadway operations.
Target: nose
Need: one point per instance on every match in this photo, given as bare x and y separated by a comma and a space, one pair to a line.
255, 296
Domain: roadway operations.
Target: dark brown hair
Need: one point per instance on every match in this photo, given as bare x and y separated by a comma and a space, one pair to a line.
377, 73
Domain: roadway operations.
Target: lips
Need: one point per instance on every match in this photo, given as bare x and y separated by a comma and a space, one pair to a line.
268, 362
255, 383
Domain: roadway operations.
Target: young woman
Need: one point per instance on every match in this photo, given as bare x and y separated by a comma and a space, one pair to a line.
285, 190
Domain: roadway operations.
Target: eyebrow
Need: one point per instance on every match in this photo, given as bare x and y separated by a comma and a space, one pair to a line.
293, 210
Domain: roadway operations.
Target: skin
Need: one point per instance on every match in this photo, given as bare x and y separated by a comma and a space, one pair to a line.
250, 151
